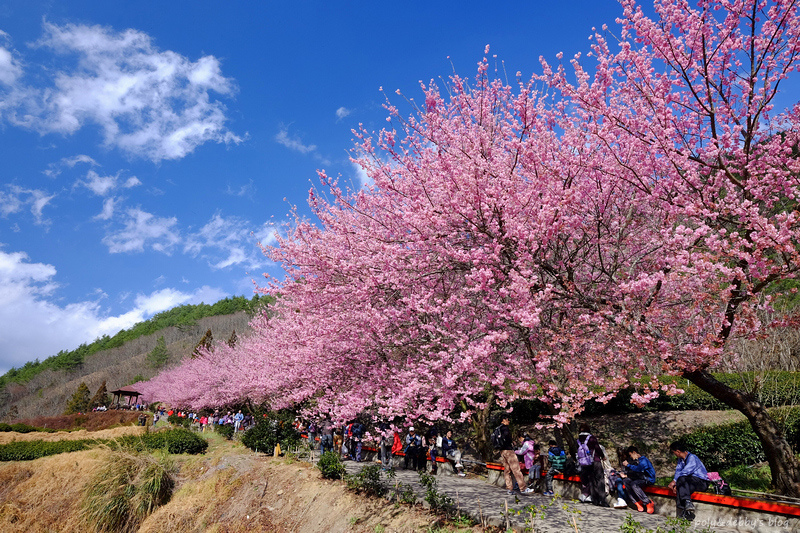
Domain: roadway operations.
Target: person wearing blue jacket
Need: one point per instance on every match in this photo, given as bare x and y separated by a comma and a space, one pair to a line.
690, 476
639, 473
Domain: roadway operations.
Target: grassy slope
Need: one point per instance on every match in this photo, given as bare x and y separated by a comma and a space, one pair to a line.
228, 489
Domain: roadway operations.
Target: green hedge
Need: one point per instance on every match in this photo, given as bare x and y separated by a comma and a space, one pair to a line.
29, 450
226, 430
775, 389
274, 428
729, 445
173, 440
23, 428
182, 421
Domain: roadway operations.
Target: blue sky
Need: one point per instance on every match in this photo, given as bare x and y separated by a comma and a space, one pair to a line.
148, 146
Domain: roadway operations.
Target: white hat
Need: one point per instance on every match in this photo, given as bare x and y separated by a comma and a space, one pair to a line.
411, 429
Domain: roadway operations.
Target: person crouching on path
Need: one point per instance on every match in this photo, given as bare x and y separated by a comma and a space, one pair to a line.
508, 458
690, 476
639, 473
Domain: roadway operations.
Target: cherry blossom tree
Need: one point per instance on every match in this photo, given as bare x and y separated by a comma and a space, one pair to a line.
683, 108
560, 238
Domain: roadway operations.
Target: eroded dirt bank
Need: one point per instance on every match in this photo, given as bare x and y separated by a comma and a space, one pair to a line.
230, 489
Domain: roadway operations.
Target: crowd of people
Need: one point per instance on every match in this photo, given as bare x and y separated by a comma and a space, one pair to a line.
203, 422
623, 485
599, 479
347, 441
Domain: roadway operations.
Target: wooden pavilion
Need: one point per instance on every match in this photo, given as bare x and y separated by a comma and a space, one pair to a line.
129, 393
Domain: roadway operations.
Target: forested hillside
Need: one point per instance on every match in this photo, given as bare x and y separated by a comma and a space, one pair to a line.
42, 388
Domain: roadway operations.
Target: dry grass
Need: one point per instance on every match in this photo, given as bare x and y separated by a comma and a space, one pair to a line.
128, 488
228, 490
45, 494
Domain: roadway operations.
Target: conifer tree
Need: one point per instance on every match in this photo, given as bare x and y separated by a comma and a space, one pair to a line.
100, 397
12, 414
203, 344
79, 403
233, 339
159, 356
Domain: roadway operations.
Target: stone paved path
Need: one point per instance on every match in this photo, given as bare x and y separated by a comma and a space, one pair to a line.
477, 498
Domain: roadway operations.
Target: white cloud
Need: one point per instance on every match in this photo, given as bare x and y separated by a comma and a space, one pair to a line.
10, 67
39, 200
16, 198
102, 185
245, 190
294, 143
142, 230
133, 181
267, 234
10, 203
342, 112
147, 102
225, 242
54, 169
108, 209
28, 308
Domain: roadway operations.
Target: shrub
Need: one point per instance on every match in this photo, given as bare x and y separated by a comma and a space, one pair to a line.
752, 478
773, 389
172, 440
34, 449
331, 466
726, 445
734, 444
270, 430
22, 428
226, 430
435, 499
367, 481
126, 490
180, 421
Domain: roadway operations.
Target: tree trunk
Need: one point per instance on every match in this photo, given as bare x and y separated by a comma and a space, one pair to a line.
568, 440
783, 464
480, 430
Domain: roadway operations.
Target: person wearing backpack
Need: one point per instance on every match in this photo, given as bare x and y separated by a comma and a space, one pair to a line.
639, 473
357, 432
326, 436
690, 476
501, 439
558, 461
590, 459
413, 445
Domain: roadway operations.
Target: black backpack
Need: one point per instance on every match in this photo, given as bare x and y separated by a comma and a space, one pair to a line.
497, 438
